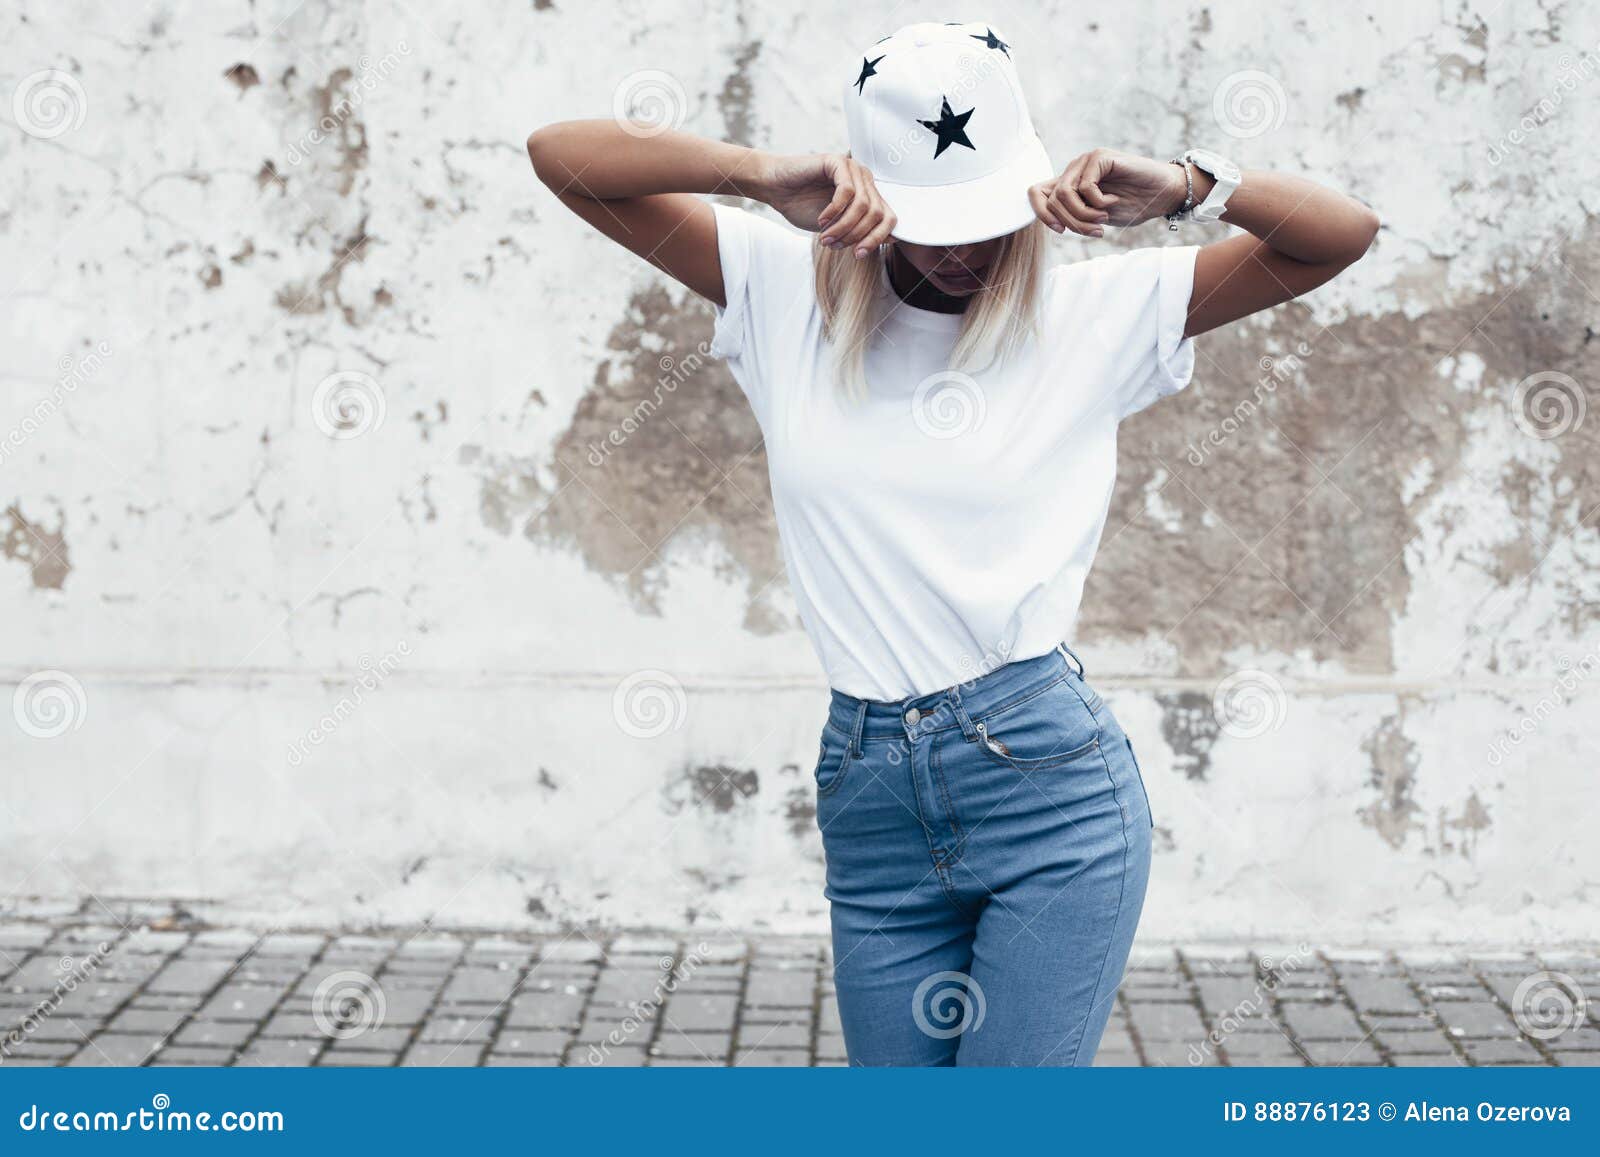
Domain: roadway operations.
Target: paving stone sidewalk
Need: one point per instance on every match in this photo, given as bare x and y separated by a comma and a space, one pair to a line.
148, 989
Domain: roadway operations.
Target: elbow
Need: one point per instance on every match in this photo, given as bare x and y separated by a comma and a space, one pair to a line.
1366, 232
544, 151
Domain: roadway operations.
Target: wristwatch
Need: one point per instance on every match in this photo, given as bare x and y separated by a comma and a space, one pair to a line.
1225, 175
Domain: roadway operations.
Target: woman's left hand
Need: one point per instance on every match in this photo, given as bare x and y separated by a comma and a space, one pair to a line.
1107, 187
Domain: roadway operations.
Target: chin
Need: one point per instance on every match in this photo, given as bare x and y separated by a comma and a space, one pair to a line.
955, 290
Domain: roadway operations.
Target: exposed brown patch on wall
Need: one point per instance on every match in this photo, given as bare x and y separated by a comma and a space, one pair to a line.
1394, 773
312, 297
244, 75
716, 786
43, 551
1460, 833
1293, 531
733, 102
335, 116
662, 448
800, 810
1189, 725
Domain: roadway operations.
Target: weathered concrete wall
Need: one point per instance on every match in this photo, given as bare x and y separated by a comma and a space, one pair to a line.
376, 544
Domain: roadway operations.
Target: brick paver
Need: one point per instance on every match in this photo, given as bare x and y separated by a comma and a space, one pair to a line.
165, 994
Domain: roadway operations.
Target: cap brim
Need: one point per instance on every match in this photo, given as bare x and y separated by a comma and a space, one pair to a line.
970, 211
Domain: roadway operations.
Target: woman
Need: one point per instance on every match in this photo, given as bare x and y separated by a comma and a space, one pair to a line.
940, 413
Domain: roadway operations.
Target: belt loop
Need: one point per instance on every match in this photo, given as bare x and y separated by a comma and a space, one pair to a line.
855, 731
1069, 653
968, 731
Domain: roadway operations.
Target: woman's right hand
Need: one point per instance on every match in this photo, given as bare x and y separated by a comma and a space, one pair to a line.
831, 194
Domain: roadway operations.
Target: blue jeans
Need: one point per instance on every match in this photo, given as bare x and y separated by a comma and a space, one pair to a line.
987, 850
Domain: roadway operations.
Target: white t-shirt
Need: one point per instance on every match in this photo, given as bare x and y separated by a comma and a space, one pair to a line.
944, 525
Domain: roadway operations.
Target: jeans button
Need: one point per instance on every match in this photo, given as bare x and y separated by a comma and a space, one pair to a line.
913, 717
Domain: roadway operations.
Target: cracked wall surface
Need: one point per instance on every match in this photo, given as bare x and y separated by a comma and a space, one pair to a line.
378, 543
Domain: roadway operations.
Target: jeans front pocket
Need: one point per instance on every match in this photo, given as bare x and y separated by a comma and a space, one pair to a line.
1052, 729
833, 760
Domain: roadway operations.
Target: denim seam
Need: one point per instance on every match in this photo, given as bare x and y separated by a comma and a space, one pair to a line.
1122, 888
1144, 792
838, 777
936, 763
1088, 706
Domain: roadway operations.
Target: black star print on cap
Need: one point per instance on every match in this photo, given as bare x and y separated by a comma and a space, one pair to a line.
993, 41
950, 127
868, 68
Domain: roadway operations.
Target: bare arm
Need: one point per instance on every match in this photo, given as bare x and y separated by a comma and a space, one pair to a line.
1298, 234
640, 190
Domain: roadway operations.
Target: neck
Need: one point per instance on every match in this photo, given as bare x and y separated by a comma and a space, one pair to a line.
913, 289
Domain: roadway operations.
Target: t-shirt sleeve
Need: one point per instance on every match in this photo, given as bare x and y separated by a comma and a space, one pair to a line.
769, 287
1141, 300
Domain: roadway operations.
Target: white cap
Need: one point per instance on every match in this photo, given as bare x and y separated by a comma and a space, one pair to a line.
938, 116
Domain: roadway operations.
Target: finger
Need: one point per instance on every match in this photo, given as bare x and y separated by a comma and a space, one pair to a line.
845, 223
856, 240
875, 230
1039, 198
879, 236
843, 191
1067, 194
1080, 225
1089, 190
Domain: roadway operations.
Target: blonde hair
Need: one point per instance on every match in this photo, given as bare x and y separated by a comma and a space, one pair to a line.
998, 318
